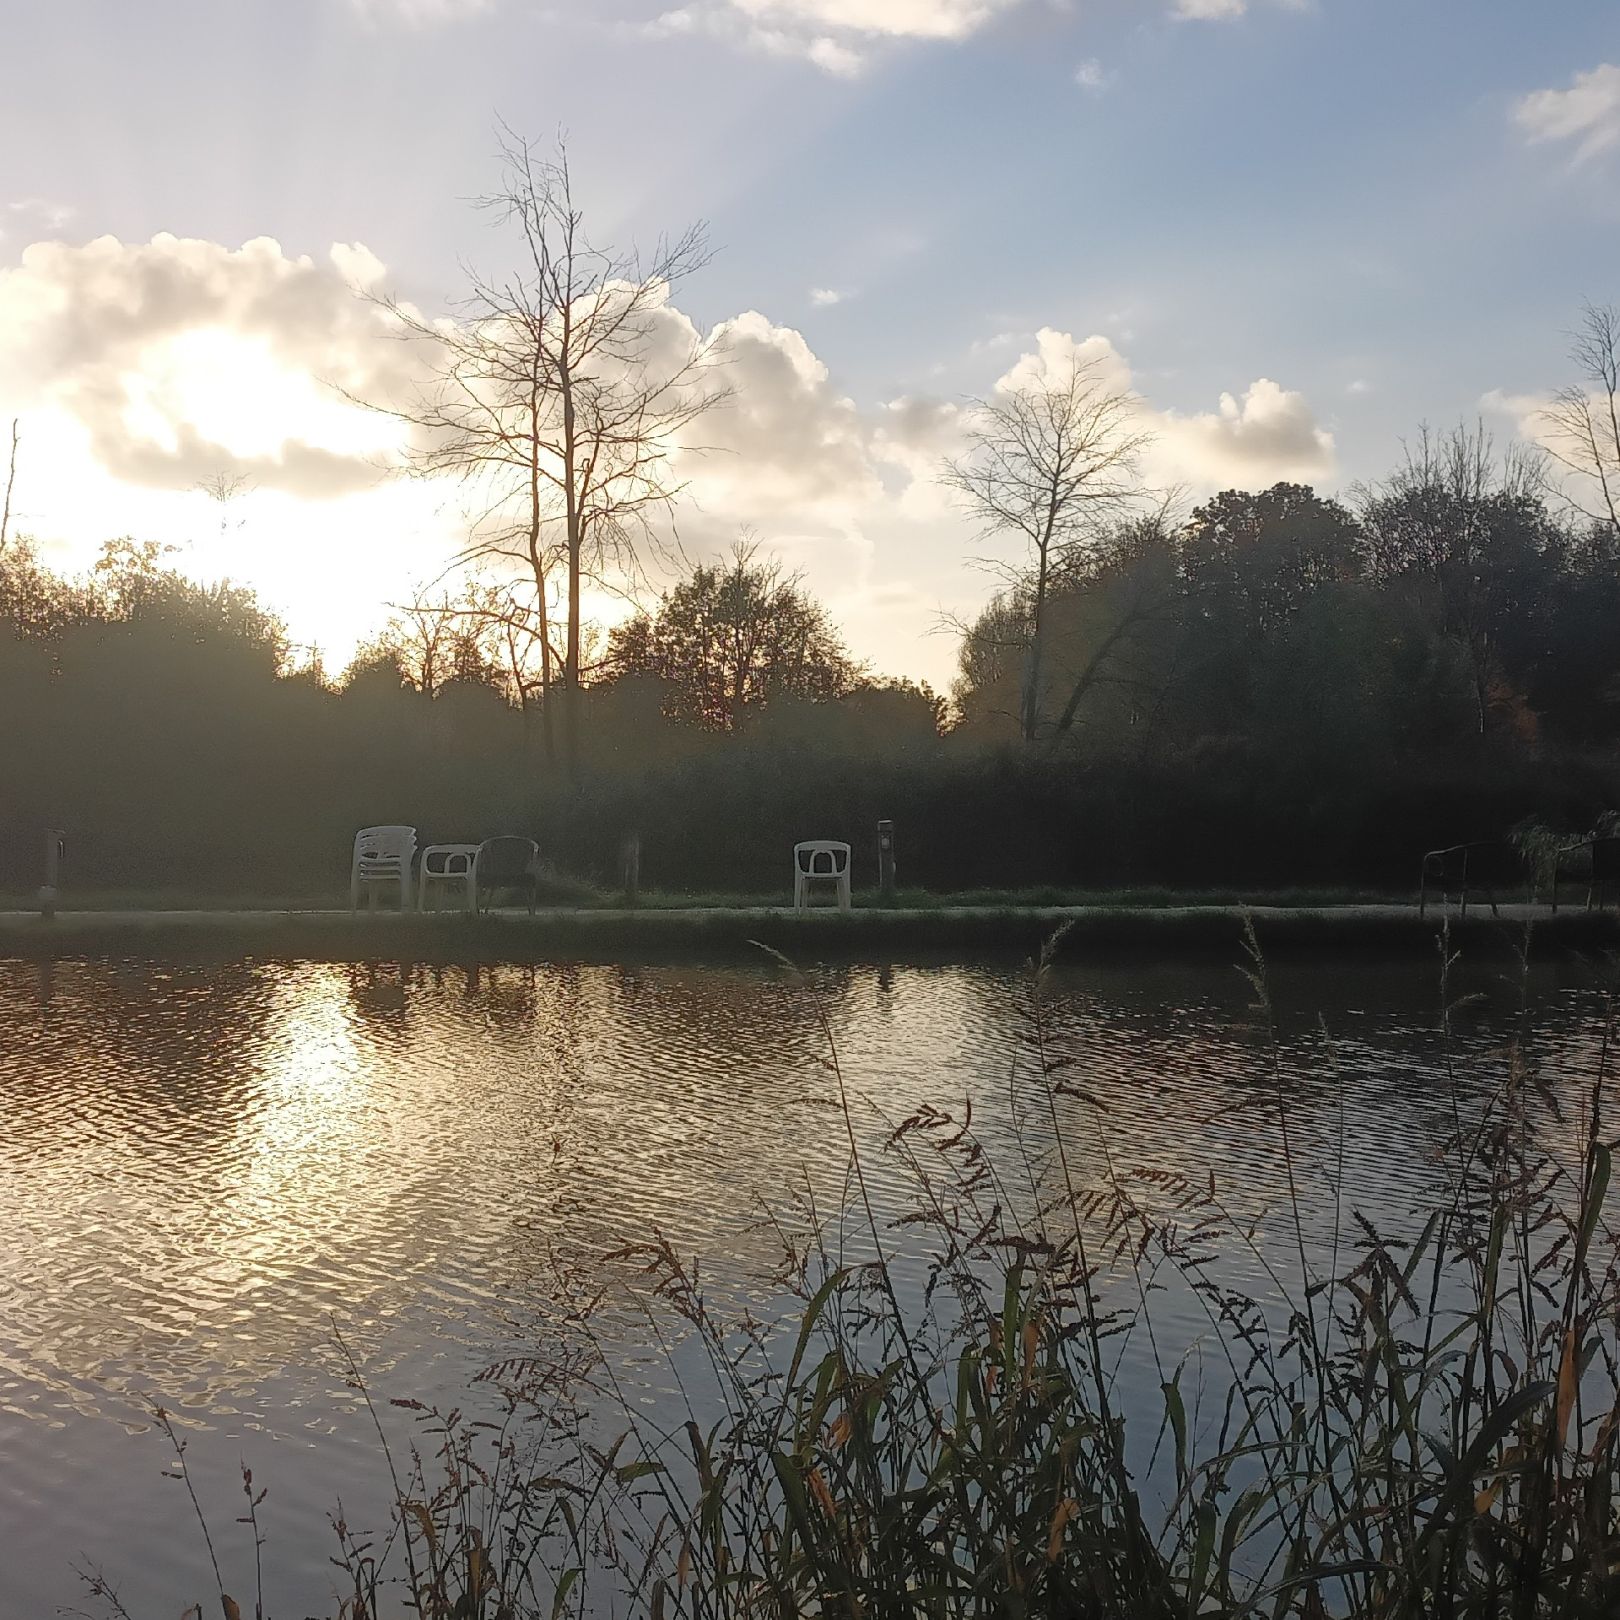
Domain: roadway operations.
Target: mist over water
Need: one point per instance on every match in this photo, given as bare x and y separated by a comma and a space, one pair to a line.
205, 1168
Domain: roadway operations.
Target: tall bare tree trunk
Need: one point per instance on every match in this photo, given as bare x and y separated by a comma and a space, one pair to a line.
11, 479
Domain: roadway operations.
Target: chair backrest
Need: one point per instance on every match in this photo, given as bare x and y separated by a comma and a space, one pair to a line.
1606, 860
444, 862
384, 845
501, 860
821, 857
1485, 862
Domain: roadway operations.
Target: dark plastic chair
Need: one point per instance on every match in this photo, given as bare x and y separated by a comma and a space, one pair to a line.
1602, 863
508, 864
1490, 865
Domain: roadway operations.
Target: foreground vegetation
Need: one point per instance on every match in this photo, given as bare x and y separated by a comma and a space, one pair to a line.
950, 1420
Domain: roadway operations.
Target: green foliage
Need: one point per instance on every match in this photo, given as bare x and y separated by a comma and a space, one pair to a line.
727, 641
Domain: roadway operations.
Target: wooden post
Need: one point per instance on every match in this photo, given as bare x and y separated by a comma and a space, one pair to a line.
886, 861
54, 844
631, 863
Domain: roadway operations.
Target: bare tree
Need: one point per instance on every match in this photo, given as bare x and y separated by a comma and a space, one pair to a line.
559, 394
1584, 419
1049, 463
224, 489
11, 479
435, 639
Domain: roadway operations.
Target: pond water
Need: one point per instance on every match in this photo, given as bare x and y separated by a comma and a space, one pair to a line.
204, 1168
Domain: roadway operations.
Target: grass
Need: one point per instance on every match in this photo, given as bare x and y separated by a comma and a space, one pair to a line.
567, 892
1419, 1428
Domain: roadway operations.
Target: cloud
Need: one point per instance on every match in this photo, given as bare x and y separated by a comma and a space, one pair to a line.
32, 213
836, 35
1093, 76
419, 13
824, 297
1587, 113
184, 358
893, 19
786, 442
1251, 440
1224, 10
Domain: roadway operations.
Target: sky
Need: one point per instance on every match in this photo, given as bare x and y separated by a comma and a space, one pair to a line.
1296, 229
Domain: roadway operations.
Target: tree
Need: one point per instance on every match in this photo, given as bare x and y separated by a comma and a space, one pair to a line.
433, 640
1584, 418
1049, 463
559, 394
1465, 533
732, 638
1252, 563
1261, 556
11, 481
1111, 624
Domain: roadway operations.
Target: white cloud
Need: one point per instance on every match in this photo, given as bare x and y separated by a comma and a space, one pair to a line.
1249, 441
181, 358
1225, 10
1587, 113
835, 35
32, 213
1267, 434
824, 297
894, 19
419, 13
1092, 75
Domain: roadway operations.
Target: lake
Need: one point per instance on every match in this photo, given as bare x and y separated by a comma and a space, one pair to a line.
205, 1168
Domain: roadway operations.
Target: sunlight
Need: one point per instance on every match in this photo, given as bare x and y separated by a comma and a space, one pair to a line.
231, 388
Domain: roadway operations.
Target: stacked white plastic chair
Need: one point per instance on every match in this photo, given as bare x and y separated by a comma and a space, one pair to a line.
382, 856
820, 861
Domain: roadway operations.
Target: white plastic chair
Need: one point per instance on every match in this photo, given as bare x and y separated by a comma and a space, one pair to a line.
382, 855
448, 866
820, 860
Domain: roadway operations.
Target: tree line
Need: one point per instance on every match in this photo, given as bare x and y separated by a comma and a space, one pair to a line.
1278, 688
1268, 687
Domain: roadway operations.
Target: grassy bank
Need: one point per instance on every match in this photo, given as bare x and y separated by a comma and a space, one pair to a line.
1387, 1427
572, 895
688, 932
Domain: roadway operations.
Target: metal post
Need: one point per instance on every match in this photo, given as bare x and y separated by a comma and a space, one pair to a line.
886, 861
632, 869
55, 844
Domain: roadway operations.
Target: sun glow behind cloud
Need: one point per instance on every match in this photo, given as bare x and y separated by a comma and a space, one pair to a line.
235, 392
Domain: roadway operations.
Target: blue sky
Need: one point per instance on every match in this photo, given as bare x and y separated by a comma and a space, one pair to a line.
1362, 202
